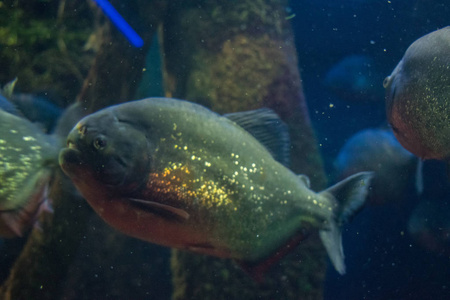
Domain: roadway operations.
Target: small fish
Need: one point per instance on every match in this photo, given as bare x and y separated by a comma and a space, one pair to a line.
37, 109
177, 174
7, 106
429, 225
377, 150
355, 78
27, 160
418, 97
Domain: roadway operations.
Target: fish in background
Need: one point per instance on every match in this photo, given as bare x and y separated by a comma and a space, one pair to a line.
355, 78
418, 97
7, 106
176, 174
37, 109
378, 150
429, 225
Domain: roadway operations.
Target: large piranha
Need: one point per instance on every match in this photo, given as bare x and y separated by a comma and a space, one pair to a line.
418, 97
177, 174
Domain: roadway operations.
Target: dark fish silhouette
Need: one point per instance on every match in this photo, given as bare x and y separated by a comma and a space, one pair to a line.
355, 78
378, 150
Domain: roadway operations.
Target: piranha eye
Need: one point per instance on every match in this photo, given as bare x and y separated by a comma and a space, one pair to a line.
100, 143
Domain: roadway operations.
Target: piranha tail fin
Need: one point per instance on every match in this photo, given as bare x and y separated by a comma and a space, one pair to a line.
349, 197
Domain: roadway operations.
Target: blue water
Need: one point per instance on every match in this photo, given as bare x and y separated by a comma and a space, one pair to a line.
383, 261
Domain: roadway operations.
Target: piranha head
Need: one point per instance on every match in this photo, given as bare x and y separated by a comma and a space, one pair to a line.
102, 149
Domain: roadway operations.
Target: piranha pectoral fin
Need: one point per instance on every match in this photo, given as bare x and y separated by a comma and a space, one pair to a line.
20, 220
349, 196
12, 222
158, 207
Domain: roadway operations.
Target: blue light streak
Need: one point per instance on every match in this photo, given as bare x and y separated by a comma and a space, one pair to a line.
120, 23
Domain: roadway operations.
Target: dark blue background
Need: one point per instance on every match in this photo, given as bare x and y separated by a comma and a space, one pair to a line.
383, 262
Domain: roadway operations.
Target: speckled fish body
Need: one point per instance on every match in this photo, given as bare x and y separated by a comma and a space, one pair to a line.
176, 174
418, 97
26, 159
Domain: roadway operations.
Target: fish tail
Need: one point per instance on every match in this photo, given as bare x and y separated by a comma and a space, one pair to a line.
349, 197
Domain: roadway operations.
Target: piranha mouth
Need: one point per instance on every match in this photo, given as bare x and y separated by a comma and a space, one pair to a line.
70, 159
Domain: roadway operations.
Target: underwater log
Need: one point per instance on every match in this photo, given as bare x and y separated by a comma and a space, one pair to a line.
118, 66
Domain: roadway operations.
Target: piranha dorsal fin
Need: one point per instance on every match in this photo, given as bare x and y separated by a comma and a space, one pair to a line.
349, 197
305, 180
257, 270
155, 206
267, 127
8, 89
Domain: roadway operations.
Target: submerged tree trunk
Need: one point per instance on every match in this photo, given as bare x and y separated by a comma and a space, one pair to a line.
118, 66
235, 56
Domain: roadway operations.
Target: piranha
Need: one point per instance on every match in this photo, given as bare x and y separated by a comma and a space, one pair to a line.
355, 79
27, 161
377, 149
38, 109
7, 106
429, 225
176, 174
418, 97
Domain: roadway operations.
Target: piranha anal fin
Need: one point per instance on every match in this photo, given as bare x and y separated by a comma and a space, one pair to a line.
19, 220
349, 196
158, 207
257, 270
267, 127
